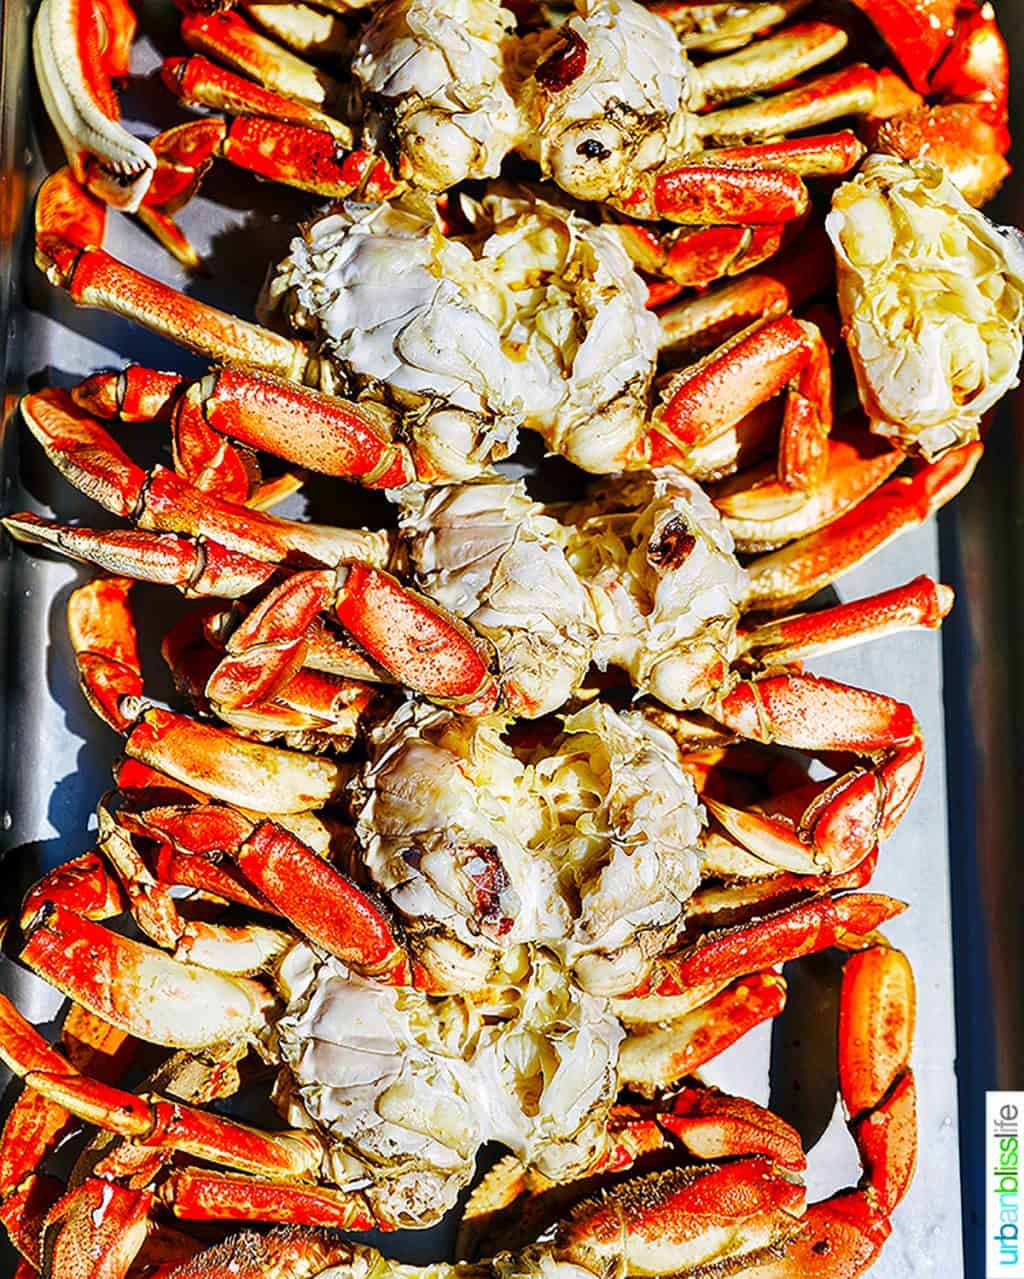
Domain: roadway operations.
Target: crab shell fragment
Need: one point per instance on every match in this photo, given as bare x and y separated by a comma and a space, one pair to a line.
932, 299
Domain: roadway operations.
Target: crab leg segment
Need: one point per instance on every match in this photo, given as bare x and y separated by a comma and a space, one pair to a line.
94, 278
77, 46
774, 938
86, 454
139, 989
234, 769
325, 905
657, 1056
327, 434
810, 713
876, 1017
706, 399
136, 394
229, 38
305, 156
713, 1125
669, 1221
196, 81
405, 633
920, 603
797, 571
96, 1230
200, 1194
700, 323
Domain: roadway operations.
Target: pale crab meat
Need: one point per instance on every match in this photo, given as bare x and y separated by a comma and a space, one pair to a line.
432, 81
629, 109
587, 847
932, 299
641, 575
534, 318
493, 557
663, 581
406, 1088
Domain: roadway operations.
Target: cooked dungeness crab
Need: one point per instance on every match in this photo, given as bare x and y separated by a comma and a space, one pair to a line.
563, 327
608, 104
700, 1179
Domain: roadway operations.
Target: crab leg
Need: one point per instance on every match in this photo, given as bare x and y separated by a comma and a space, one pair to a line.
801, 271
77, 47
125, 982
421, 647
659, 1055
196, 81
774, 938
796, 572
89, 458
851, 91
706, 399
920, 603
229, 38
36, 1125
876, 1017
696, 256
763, 513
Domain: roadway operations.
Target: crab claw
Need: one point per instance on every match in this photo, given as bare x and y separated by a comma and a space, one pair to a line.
77, 46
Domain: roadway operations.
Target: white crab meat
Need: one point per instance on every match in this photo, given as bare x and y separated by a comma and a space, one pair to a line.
629, 108
491, 556
432, 81
589, 847
932, 299
665, 586
533, 318
406, 1088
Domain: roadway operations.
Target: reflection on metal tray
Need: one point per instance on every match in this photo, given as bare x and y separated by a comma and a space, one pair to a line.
57, 756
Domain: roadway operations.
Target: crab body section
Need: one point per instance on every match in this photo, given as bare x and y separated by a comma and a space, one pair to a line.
533, 318
932, 299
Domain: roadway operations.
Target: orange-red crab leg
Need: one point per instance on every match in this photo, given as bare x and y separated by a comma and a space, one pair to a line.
140, 990
162, 500
706, 399
843, 1235
302, 426
78, 46
659, 1055
326, 705
763, 513
654, 1221
796, 572
36, 1125
920, 603
157, 1125
951, 50
411, 638
306, 156
229, 38
774, 938
803, 269
196, 81
696, 256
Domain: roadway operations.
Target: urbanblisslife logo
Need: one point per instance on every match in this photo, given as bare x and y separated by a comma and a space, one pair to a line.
1004, 1119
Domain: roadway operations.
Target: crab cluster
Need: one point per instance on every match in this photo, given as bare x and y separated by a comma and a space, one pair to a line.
496, 825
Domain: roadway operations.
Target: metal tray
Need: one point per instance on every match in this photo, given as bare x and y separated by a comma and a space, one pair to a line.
55, 756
